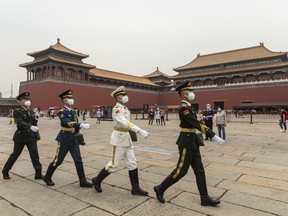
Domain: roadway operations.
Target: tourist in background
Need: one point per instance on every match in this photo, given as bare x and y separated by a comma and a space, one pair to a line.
282, 121
220, 120
150, 116
162, 116
98, 116
157, 116
207, 116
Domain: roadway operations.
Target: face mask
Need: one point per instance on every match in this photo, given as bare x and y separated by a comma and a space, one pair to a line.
191, 96
27, 103
208, 108
70, 101
124, 99
219, 110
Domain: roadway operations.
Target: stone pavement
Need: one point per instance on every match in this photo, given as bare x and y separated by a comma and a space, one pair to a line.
249, 174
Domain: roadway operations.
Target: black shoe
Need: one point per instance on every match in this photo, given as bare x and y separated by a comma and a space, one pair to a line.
49, 182
159, 193
208, 201
139, 191
38, 176
97, 185
85, 183
6, 175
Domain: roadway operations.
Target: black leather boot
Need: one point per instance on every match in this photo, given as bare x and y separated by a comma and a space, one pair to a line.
5, 174
38, 175
206, 200
47, 178
209, 201
160, 189
99, 178
82, 178
136, 190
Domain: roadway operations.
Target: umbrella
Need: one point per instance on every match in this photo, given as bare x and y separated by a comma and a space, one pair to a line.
55, 107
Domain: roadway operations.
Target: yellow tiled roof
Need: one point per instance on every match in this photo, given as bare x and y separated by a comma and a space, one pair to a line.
120, 76
59, 47
250, 53
57, 59
232, 70
156, 74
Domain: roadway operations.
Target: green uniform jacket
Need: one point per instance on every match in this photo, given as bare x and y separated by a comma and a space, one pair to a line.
188, 119
24, 120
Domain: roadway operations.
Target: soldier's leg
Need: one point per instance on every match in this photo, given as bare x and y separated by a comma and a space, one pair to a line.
61, 152
181, 169
131, 164
33, 151
199, 172
18, 148
117, 154
76, 155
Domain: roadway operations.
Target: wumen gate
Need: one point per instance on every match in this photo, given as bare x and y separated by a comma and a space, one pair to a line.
226, 79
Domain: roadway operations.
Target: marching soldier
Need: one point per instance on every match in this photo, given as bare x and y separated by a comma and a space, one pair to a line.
26, 134
67, 140
122, 144
188, 146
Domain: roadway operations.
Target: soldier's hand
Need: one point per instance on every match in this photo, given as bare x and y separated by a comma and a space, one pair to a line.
34, 128
218, 140
85, 125
143, 133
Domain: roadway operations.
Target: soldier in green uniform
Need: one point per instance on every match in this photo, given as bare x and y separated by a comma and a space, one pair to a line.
67, 140
26, 134
188, 146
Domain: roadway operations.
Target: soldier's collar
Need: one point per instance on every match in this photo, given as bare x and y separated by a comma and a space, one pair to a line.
23, 107
119, 104
183, 101
67, 108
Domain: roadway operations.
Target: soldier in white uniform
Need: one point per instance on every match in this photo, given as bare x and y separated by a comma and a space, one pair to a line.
122, 144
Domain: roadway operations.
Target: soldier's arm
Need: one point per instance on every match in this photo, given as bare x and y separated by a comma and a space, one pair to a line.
66, 122
19, 120
188, 118
119, 117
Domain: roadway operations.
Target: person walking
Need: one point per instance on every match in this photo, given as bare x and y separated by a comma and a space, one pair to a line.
122, 144
221, 122
98, 116
67, 141
27, 134
150, 116
207, 117
162, 116
157, 116
188, 146
282, 121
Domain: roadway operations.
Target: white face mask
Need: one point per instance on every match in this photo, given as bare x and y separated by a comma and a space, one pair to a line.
27, 103
70, 101
191, 96
124, 99
219, 110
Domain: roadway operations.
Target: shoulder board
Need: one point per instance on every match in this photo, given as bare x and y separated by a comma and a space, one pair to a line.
183, 105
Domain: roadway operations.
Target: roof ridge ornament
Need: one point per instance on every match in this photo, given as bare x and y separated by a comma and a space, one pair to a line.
58, 40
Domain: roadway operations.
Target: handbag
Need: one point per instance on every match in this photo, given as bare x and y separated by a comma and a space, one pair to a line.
80, 139
133, 136
199, 139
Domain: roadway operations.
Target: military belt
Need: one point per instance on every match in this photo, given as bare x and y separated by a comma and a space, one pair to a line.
68, 129
188, 130
121, 129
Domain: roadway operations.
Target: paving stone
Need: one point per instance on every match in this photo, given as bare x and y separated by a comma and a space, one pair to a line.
92, 211
112, 199
255, 202
7, 209
264, 166
261, 190
191, 201
38, 200
265, 182
153, 207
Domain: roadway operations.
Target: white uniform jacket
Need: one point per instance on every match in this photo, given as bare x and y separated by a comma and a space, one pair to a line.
120, 135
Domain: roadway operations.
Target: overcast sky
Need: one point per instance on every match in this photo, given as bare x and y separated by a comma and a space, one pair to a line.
136, 36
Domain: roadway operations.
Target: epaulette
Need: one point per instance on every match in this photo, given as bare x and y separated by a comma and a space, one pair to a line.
183, 105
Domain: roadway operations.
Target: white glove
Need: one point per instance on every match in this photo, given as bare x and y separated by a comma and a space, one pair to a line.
85, 125
143, 133
218, 140
34, 128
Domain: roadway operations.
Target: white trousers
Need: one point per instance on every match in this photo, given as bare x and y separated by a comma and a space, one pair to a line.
120, 152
